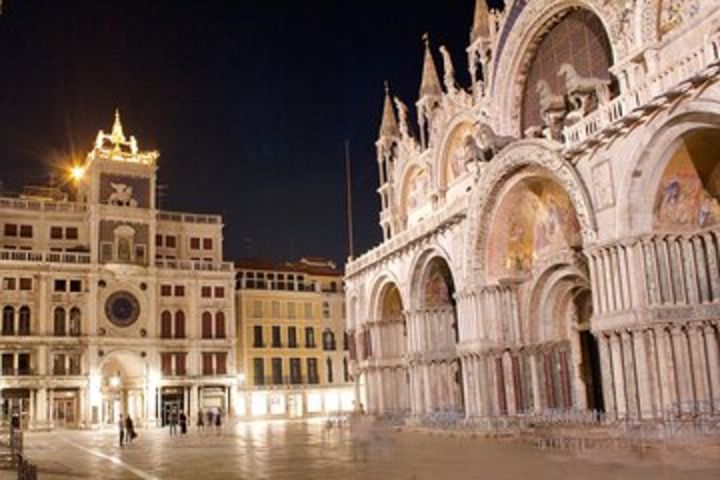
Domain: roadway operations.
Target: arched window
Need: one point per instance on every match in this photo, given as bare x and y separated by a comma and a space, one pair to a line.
24, 326
219, 325
75, 317
328, 340
59, 322
207, 321
8, 323
329, 367
179, 324
165, 324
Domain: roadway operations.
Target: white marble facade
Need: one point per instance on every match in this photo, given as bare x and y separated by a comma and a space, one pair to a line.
551, 238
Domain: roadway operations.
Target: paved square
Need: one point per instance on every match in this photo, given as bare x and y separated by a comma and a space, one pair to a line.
297, 450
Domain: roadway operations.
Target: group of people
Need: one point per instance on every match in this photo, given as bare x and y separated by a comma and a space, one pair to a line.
211, 418
127, 430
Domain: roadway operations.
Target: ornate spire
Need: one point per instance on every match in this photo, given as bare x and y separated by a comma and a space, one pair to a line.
117, 136
430, 84
481, 21
388, 126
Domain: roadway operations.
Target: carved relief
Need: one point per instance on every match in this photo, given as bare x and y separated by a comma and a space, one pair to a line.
603, 185
674, 12
122, 196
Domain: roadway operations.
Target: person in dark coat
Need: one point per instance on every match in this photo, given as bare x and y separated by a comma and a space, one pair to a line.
183, 423
218, 421
129, 430
200, 421
210, 418
121, 429
173, 421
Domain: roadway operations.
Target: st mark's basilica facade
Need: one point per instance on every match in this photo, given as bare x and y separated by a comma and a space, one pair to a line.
551, 232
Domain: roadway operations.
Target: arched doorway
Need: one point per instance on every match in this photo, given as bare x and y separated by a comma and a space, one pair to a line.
123, 380
437, 375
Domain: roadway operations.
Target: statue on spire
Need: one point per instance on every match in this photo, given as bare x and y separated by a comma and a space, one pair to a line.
449, 70
403, 117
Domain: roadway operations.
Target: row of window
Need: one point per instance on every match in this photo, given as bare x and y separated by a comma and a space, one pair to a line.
13, 283
276, 310
26, 231
15, 363
65, 322
63, 233
196, 243
173, 326
206, 291
175, 363
274, 281
277, 378
65, 285
66, 364
292, 337
14, 230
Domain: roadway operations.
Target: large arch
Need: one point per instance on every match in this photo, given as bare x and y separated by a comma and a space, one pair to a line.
123, 386
526, 27
502, 171
651, 158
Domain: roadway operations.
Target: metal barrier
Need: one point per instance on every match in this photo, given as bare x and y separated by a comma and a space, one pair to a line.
25, 469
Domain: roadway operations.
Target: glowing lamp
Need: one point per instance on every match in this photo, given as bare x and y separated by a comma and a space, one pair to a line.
114, 381
77, 172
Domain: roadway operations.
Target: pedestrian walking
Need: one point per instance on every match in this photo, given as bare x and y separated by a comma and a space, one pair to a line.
121, 429
218, 421
173, 421
129, 430
210, 418
183, 423
200, 421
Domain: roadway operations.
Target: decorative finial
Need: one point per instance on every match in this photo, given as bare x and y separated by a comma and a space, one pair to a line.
117, 134
387, 88
426, 39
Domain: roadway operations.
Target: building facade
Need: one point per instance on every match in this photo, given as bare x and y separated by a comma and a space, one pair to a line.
110, 305
292, 347
551, 231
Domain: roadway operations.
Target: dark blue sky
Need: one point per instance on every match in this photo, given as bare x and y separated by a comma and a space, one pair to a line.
249, 102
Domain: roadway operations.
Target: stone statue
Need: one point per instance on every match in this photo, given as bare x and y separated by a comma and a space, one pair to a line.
489, 143
584, 93
449, 77
552, 110
402, 117
122, 195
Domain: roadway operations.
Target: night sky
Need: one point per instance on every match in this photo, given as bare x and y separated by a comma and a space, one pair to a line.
249, 102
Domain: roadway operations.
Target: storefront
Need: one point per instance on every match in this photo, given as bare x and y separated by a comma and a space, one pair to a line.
65, 404
15, 401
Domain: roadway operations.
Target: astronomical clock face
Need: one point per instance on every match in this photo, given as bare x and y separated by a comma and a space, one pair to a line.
122, 309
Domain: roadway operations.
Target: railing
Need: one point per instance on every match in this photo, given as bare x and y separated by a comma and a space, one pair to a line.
667, 82
190, 218
194, 265
272, 381
44, 257
17, 372
42, 205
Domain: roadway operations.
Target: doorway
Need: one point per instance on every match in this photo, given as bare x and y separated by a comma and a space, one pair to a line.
590, 371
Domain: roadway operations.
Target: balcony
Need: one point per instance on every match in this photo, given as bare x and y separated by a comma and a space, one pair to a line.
196, 266
42, 205
189, 218
44, 257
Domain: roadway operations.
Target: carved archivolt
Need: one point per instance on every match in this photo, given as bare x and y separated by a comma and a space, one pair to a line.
515, 158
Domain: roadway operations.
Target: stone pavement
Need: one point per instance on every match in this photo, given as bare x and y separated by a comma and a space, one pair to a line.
297, 450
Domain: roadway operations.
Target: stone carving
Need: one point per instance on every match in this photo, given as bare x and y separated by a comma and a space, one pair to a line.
122, 196
603, 185
449, 71
402, 117
675, 12
552, 111
489, 144
584, 93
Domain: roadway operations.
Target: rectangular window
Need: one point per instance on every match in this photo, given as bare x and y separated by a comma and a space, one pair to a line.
71, 233
76, 286
292, 337
26, 284
158, 240
59, 285
207, 243
170, 241
166, 290
11, 230
56, 233
329, 368
106, 252
9, 283
140, 253
24, 364
308, 310
276, 343
194, 243
277, 371
219, 292
258, 371
26, 231
291, 310
206, 291
59, 364
207, 363
276, 309
181, 363
179, 290
74, 364
295, 376
7, 363
258, 336
312, 371
309, 337
220, 363
346, 370
166, 363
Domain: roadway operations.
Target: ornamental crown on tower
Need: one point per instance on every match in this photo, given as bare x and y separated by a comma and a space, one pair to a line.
116, 146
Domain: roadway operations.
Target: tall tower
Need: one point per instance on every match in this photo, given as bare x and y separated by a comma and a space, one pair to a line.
119, 187
430, 94
387, 150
